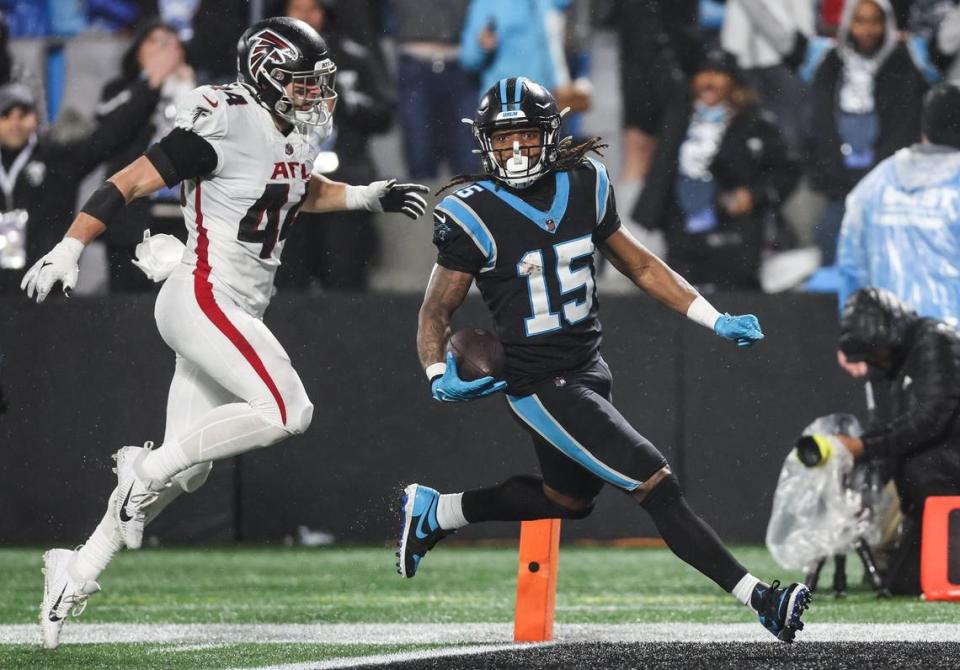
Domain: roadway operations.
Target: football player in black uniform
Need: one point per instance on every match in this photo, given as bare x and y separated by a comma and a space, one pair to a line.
526, 232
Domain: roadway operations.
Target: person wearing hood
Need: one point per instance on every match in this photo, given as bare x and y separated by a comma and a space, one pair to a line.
916, 360
901, 231
867, 87
154, 73
719, 173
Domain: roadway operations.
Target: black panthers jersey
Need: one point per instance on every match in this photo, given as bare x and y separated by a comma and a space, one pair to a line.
531, 254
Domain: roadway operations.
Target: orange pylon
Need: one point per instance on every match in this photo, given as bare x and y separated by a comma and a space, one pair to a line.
537, 580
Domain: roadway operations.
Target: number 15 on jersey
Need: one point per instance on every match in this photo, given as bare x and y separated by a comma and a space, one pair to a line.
531, 266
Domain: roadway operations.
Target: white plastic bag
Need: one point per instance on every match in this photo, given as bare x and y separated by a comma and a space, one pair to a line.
814, 514
158, 255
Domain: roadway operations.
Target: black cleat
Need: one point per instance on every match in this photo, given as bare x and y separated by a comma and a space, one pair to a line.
780, 609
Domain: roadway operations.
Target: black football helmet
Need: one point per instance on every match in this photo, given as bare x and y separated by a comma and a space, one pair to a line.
279, 51
518, 102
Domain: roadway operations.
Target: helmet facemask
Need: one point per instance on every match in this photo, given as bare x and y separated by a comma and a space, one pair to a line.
305, 98
517, 169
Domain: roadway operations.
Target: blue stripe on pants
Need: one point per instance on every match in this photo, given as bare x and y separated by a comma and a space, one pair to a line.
534, 414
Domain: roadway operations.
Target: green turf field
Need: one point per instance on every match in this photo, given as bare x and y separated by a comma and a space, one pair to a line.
348, 586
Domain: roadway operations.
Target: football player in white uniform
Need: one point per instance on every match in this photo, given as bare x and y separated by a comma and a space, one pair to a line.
243, 155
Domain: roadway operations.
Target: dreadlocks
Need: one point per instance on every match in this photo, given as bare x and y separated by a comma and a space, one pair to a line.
569, 155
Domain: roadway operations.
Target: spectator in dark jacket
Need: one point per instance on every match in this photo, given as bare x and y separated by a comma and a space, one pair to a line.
868, 87
719, 173
918, 361
154, 71
364, 108
41, 174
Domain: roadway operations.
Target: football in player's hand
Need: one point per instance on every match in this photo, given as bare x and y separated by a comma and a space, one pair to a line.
478, 353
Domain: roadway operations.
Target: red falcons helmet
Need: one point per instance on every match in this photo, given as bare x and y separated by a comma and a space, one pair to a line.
287, 66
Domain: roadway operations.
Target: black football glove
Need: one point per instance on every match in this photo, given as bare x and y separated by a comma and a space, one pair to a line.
403, 198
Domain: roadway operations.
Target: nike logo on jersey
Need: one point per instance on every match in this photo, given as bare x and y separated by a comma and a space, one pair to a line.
123, 508
45, 264
212, 103
431, 512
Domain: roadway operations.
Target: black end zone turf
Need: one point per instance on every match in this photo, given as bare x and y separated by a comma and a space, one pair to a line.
710, 656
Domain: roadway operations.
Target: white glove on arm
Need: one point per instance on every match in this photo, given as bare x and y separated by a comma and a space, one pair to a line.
158, 255
388, 196
59, 265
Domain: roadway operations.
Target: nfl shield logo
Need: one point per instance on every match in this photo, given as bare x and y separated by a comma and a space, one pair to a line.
551, 226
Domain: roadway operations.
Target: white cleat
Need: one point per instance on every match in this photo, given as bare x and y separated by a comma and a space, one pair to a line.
133, 494
63, 595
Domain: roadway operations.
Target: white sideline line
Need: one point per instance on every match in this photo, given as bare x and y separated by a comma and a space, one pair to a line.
471, 633
386, 659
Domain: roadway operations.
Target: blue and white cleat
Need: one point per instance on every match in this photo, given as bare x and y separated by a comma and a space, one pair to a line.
780, 609
420, 530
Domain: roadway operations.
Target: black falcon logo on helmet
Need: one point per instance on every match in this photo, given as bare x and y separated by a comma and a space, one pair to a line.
269, 47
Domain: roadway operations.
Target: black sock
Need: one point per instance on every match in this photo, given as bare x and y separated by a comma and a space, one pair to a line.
689, 537
520, 498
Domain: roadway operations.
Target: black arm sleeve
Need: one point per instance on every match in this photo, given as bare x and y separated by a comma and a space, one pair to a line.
456, 251
182, 155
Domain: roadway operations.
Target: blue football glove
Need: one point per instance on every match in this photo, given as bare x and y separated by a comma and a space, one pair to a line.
743, 329
450, 388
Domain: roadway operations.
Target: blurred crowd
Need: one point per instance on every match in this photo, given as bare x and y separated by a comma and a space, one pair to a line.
745, 125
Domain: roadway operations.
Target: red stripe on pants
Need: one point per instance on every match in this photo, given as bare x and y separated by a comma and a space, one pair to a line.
203, 289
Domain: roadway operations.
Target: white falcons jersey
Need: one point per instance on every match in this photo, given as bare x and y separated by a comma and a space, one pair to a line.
238, 216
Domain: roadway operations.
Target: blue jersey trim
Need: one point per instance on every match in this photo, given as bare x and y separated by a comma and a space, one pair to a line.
556, 212
603, 188
534, 414
817, 50
920, 54
464, 216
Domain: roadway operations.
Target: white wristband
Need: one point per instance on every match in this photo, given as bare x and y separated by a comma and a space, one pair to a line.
363, 197
436, 370
703, 312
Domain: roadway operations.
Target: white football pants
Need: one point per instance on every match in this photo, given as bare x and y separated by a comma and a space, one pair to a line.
233, 389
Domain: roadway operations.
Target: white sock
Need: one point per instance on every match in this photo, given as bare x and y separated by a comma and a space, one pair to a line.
450, 511
744, 589
222, 432
163, 463
94, 556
